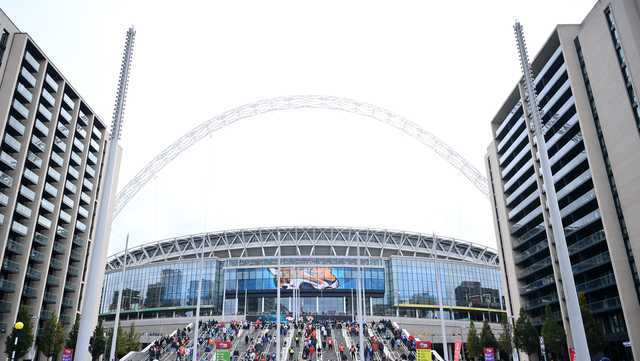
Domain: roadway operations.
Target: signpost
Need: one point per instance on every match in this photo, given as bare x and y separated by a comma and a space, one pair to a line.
223, 351
423, 351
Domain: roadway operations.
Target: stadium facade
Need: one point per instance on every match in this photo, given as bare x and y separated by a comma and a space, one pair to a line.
399, 270
584, 79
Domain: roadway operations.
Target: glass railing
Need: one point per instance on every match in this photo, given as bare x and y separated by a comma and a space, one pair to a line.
522, 138
60, 144
526, 168
78, 144
54, 174
12, 142
516, 126
19, 228
7, 286
605, 305
21, 109
65, 115
87, 184
76, 158
521, 188
53, 280
56, 264
29, 59
575, 183
76, 254
5, 179
8, 160
50, 297
62, 232
10, 266
538, 247
526, 219
581, 223
92, 158
30, 176
517, 242
38, 143
95, 145
535, 267
59, 248
74, 173
16, 125
506, 171
535, 196
48, 97
71, 187
587, 242
26, 94
23, 210
577, 203
548, 280
67, 201
53, 191
85, 198
90, 172
46, 113
51, 82
590, 263
40, 239
44, 221
540, 302
33, 274
28, 77
605, 281
569, 166
83, 212
15, 247
63, 130
68, 302
46, 205
57, 159
29, 292
70, 103
65, 217
507, 119
96, 132
74, 271
81, 226
37, 256
81, 132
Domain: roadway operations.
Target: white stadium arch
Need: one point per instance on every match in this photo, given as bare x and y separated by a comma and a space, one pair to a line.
298, 102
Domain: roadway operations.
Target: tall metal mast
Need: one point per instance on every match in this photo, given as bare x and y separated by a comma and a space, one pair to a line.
530, 103
98, 257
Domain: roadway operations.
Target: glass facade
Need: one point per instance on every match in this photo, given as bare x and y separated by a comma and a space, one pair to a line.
395, 286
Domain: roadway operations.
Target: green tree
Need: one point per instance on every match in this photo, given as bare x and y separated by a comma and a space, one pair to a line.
553, 334
50, 340
593, 329
505, 341
133, 338
487, 338
25, 336
474, 348
72, 338
98, 342
525, 335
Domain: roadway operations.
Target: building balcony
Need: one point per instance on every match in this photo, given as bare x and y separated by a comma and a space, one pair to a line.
73, 271
605, 305
597, 284
53, 281
56, 264
29, 292
7, 286
37, 256
50, 298
6, 307
587, 264
15, 247
540, 302
10, 266
40, 239
535, 267
68, 302
33, 274
537, 284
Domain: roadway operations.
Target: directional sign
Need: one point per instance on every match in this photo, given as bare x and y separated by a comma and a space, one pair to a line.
423, 351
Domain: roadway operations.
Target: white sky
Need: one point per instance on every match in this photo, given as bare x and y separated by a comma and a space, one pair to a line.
447, 65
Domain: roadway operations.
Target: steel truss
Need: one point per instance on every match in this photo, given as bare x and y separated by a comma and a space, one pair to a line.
305, 241
298, 102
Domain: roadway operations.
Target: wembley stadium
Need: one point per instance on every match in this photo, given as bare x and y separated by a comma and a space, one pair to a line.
399, 271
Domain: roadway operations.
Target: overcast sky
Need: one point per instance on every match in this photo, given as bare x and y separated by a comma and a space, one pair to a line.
447, 65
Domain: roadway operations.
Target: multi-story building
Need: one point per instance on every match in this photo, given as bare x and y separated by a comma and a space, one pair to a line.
51, 155
586, 78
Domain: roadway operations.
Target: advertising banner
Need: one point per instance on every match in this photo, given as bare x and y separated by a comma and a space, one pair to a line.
423, 351
489, 354
456, 350
67, 354
223, 351
319, 278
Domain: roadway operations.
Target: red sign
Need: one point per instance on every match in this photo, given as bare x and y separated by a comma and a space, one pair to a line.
489, 354
67, 354
457, 349
423, 345
572, 353
223, 345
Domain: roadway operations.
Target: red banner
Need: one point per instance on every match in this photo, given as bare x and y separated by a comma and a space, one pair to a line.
572, 354
457, 349
423, 345
223, 345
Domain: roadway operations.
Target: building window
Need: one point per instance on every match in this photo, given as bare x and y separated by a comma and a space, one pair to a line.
624, 67
607, 163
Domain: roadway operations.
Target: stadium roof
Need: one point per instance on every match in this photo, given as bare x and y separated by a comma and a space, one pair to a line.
305, 241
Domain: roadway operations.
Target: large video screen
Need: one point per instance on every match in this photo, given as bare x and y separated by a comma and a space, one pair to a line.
309, 278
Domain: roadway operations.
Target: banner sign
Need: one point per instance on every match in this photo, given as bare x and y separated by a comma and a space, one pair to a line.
223, 351
572, 354
457, 349
423, 351
489, 354
67, 354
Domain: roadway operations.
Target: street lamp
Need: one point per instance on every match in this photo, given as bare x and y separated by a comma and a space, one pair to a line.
18, 326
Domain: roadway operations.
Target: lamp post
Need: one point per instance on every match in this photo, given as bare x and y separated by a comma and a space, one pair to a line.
18, 326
